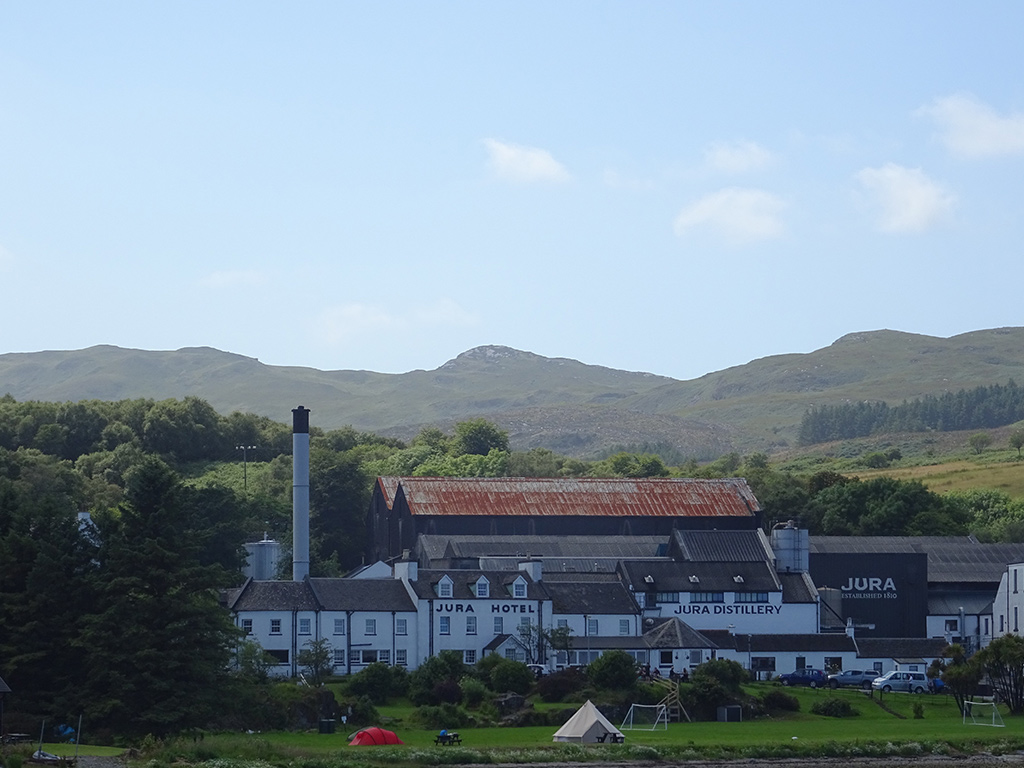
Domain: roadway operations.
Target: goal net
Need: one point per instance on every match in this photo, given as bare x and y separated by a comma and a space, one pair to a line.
983, 712
646, 717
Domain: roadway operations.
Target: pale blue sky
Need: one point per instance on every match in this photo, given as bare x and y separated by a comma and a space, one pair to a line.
668, 187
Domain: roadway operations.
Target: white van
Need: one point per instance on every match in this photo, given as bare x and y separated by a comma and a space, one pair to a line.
911, 682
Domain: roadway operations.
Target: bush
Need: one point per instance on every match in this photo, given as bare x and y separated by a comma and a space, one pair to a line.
437, 679
380, 682
727, 673
556, 686
508, 675
613, 670
780, 701
833, 707
442, 716
473, 691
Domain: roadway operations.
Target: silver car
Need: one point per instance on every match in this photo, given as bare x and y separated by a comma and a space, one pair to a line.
911, 682
852, 678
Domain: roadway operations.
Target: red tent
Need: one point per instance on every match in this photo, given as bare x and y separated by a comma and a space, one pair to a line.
369, 737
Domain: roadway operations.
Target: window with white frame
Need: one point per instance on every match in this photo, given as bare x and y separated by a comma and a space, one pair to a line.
524, 624
510, 652
370, 656
355, 656
339, 626
591, 627
401, 657
444, 625
444, 587
483, 588
401, 626
339, 657
247, 626
519, 589
695, 658
623, 626
371, 626
499, 625
279, 656
384, 656
304, 626
275, 626
469, 657
471, 625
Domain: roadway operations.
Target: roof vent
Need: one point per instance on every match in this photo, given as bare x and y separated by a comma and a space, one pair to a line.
649, 579
694, 580
738, 579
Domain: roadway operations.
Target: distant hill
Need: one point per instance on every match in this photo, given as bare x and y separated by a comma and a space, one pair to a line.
559, 403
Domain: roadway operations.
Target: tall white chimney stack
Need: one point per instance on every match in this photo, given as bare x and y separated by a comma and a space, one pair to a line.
300, 493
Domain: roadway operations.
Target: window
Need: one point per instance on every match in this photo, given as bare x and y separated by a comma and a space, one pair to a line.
339, 657
751, 597
471, 625
445, 625
952, 625
401, 657
339, 626
401, 626
623, 626
247, 626
563, 623
510, 652
483, 589
444, 587
664, 657
384, 657
801, 662
695, 658
519, 589
469, 657
304, 626
762, 663
666, 597
354, 657
1002, 627
1014, 579
1016, 626
524, 624
707, 597
833, 663
371, 626
369, 657
275, 626
499, 625
280, 657
877, 666
591, 626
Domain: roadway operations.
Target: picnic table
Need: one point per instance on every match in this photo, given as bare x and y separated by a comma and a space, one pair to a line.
15, 738
447, 738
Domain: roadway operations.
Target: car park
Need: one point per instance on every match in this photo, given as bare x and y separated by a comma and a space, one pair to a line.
815, 678
911, 682
852, 678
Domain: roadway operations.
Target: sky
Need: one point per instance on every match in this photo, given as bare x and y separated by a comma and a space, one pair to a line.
672, 187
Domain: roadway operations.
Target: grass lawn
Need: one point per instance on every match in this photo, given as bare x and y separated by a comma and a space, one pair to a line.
873, 731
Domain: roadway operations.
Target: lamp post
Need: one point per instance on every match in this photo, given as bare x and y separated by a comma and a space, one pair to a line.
245, 465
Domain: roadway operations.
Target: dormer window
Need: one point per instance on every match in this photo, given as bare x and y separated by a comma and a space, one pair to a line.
483, 588
738, 579
444, 587
694, 580
519, 588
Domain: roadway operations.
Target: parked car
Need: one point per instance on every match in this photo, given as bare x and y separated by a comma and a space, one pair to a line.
852, 678
815, 678
539, 670
911, 682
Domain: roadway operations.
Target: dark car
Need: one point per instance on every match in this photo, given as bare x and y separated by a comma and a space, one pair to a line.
852, 678
815, 678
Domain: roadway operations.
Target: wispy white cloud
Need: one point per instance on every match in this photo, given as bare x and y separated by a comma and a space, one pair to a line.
737, 157
514, 162
906, 198
971, 128
335, 325
735, 214
233, 279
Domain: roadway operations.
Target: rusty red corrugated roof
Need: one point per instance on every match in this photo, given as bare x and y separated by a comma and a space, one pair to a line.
613, 497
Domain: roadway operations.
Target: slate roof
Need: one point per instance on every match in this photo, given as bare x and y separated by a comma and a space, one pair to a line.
900, 647
673, 633
951, 559
720, 546
362, 595
4, 688
711, 577
273, 596
573, 497
464, 581
797, 588
436, 546
594, 598
950, 603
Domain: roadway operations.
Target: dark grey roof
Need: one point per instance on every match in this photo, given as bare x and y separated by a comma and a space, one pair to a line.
592, 598
463, 582
951, 559
4, 687
720, 546
710, 577
950, 603
797, 588
834, 643
561, 577
437, 546
500, 640
274, 596
674, 633
362, 595
552, 564
900, 647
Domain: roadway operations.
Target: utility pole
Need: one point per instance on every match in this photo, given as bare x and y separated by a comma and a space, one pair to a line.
245, 465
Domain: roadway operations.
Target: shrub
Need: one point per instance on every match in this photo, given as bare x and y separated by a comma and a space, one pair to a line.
442, 716
780, 701
727, 673
833, 707
918, 710
473, 691
445, 692
380, 682
556, 686
508, 675
613, 670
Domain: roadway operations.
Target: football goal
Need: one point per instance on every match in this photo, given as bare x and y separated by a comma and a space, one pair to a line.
983, 712
646, 717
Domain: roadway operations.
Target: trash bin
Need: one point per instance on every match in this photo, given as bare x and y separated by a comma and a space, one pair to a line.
326, 725
731, 713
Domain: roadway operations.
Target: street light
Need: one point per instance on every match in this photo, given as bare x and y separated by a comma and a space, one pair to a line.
245, 464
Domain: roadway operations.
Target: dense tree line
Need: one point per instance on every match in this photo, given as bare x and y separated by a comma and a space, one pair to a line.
979, 408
